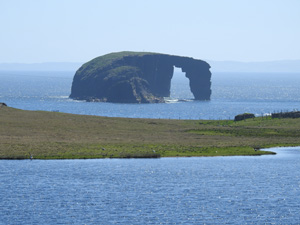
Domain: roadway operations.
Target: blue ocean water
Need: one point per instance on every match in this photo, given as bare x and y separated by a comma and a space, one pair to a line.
232, 93
207, 190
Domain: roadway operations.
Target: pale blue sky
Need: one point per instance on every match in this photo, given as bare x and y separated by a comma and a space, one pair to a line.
79, 30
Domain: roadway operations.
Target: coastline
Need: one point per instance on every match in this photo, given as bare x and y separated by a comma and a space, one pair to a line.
55, 135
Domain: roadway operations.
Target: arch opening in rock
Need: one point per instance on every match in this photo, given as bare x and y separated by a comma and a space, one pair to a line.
180, 86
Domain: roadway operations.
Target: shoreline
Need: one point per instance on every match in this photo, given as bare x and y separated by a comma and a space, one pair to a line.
200, 156
55, 135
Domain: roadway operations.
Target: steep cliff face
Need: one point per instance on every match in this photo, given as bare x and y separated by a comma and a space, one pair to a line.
137, 77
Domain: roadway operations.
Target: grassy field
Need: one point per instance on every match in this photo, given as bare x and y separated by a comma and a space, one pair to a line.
54, 135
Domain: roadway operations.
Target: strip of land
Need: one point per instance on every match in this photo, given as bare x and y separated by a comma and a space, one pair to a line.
55, 135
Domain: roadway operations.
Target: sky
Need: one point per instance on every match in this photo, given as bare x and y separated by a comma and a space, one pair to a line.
35, 31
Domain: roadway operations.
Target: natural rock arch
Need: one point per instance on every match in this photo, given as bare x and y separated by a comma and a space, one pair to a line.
138, 77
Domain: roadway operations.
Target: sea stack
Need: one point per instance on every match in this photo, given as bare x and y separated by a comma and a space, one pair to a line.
138, 77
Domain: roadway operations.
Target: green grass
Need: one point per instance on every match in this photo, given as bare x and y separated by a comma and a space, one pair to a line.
54, 135
105, 61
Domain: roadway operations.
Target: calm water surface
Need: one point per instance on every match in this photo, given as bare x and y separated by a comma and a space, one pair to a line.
212, 190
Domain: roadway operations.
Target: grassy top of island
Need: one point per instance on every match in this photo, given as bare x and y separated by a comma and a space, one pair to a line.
106, 61
55, 135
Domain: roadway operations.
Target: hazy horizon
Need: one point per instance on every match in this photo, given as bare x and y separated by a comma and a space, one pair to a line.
77, 31
286, 66
208, 60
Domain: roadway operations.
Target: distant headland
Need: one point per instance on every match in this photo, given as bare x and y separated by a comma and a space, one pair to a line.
138, 77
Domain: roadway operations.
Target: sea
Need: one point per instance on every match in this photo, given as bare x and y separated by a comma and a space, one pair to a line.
232, 94
191, 190
185, 190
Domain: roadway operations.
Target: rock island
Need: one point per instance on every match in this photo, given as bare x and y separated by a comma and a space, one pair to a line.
138, 77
